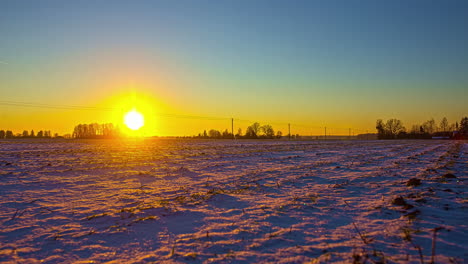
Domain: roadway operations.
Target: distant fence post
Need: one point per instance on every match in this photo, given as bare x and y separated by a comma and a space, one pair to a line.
232, 128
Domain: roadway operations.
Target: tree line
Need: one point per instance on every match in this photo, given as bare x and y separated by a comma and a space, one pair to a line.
394, 129
95, 130
254, 131
82, 131
27, 134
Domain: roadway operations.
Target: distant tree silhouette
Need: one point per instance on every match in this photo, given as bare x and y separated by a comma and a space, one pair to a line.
279, 134
415, 129
9, 134
250, 133
380, 126
94, 130
239, 133
430, 126
392, 129
463, 131
444, 125
226, 134
416, 132
253, 130
213, 133
267, 131
26, 134
395, 127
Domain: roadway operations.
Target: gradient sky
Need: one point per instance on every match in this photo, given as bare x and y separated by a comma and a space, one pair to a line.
327, 63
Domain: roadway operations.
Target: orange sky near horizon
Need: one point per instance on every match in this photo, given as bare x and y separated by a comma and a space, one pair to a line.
161, 119
161, 94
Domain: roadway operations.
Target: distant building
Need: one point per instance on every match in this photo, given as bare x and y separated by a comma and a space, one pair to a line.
367, 136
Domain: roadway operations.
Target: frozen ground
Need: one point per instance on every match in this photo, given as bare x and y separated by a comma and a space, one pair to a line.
241, 202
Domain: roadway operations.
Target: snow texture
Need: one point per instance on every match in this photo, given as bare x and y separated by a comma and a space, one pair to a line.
189, 201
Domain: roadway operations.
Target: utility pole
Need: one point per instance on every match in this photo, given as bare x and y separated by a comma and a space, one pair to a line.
232, 128
350, 133
325, 132
289, 131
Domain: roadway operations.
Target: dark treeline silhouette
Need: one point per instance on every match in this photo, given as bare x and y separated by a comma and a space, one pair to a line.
96, 130
394, 129
26, 134
254, 131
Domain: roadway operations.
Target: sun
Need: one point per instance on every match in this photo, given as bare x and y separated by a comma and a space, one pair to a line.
134, 120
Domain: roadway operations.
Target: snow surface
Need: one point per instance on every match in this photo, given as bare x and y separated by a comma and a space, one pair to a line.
188, 201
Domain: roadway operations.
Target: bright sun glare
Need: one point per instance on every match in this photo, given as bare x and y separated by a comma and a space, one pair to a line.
134, 120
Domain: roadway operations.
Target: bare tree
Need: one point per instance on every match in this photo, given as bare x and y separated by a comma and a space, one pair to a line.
249, 133
394, 127
391, 129
226, 134
380, 128
430, 126
415, 129
93, 131
253, 130
464, 127
268, 131
239, 132
279, 134
256, 128
214, 133
444, 125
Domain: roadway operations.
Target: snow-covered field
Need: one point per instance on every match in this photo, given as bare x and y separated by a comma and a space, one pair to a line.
140, 201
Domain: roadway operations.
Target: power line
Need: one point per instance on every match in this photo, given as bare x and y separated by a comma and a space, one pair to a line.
75, 107
167, 115
51, 106
192, 117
